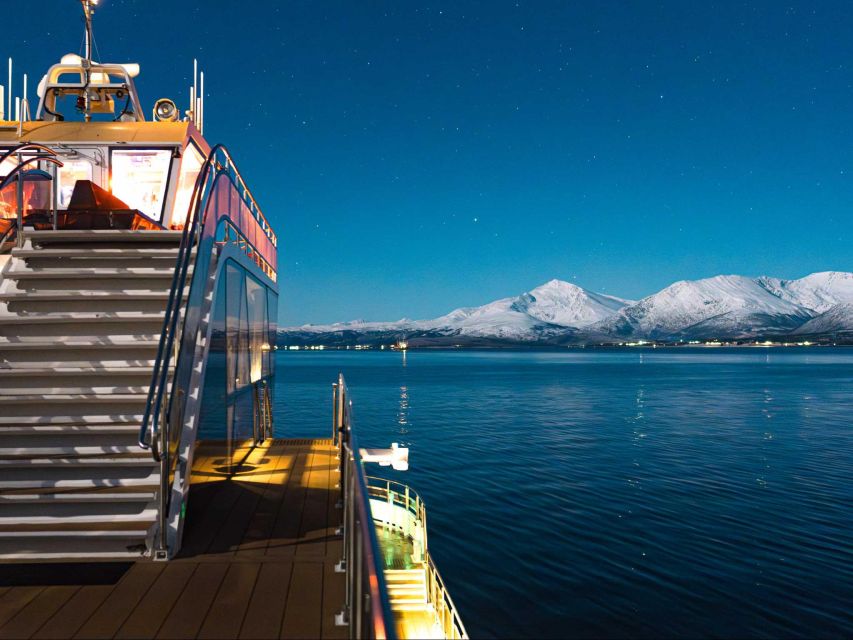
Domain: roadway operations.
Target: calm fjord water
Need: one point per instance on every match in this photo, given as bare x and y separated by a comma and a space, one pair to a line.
665, 493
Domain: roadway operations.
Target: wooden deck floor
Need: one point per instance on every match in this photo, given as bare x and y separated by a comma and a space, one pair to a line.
257, 562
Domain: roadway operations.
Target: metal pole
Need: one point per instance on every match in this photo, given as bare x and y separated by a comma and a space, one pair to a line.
87, 12
334, 414
20, 198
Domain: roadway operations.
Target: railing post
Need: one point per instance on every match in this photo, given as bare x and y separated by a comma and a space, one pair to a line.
19, 196
335, 439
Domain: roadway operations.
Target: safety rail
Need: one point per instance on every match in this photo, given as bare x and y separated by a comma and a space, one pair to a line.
34, 153
221, 213
367, 610
445, 611
399, 495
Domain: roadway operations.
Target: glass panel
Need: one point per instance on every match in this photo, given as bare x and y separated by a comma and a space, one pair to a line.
213, 421
36, 198
234, 276
69, 174
257, 301
139, 178
190, 167
8, 203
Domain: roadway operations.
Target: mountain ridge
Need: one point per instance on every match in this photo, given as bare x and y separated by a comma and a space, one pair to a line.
559, 312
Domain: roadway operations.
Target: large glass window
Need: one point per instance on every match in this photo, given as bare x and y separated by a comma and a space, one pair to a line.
69, 174
190, 168
139, 178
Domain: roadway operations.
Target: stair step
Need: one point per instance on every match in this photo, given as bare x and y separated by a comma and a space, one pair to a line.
68, 429
61, 398
124, 252
397, 574
65, 390
81, 484
80, 452
71, 372
80, 318
80, 421
48, 499
75, 295
410, 606
60, 463
104, 235
64, 273
125, 343
72, 515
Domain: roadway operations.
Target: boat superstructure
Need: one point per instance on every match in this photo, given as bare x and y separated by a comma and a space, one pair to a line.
138, 301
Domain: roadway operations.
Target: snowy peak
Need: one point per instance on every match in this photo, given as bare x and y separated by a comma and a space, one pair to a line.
719, 303
568, 305
836, 319
817, 291
548, 308
558, 312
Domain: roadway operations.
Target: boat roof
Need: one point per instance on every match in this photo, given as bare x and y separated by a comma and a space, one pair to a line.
145, 133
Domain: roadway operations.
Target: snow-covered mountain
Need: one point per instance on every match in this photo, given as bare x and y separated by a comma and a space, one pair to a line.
557, 312
818, 291
548, 311
836, 319
722, 306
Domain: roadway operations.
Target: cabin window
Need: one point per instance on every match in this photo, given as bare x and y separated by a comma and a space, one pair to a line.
139, 178
68, 175
190, 168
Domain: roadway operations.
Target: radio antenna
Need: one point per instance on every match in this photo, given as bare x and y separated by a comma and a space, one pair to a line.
88, 12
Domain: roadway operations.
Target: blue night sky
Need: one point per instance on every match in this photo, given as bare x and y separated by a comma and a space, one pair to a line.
416, 157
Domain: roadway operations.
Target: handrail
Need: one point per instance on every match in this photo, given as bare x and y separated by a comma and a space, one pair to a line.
42, 153
367, 610
406, 497
445, 610
174, 365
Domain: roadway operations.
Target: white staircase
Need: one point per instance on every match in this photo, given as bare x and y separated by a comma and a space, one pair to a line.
80, 318
407, 589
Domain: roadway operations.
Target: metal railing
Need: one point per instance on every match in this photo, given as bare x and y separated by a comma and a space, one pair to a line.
445, 611
176, 375
367, 610
27, 153
397, 494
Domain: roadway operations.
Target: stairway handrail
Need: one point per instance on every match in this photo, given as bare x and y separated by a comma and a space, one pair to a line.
169, 394
218, 162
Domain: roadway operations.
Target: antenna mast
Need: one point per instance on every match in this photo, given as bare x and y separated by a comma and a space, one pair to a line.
88, 12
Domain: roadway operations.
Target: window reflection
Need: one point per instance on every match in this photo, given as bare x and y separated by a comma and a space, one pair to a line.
68, 175
190, 168
139, 178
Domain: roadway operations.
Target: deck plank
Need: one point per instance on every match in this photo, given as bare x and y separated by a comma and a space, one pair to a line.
303, 615
334, 597
259, 531
285, 532
37, 611
74, 613
189, 612
258, 470
226, 614
151, 612
266, 608
14, 600
314, 526
257, 561
125, 596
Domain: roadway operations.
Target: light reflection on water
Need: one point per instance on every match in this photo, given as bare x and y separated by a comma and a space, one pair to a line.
687, 493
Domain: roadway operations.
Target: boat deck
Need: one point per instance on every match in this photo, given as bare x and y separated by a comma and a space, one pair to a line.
257, 561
